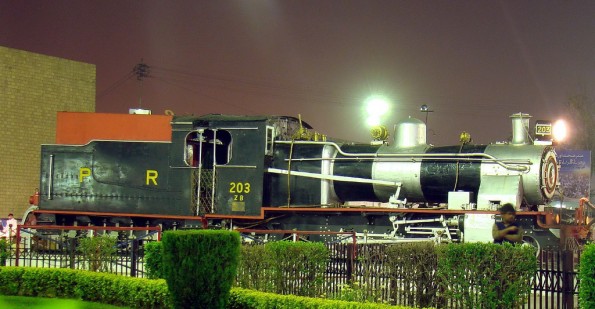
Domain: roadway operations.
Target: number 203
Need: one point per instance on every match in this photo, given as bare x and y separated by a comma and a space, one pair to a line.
238, 187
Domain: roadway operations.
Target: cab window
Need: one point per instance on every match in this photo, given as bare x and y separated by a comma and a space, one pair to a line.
207, 146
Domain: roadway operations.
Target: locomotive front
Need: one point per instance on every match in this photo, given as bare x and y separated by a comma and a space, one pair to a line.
410, 171
405, 189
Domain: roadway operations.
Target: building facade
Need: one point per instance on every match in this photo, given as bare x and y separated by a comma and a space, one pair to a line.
33, 88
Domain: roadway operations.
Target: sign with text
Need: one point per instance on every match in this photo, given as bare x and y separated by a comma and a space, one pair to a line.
575, 172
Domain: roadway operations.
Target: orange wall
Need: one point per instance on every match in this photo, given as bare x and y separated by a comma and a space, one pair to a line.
80, 128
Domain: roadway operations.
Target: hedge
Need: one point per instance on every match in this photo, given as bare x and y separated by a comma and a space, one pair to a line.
249, 299
153, 253
80, 284
142, 293
485, 275
4, 252
284, 267
465, 275
414, 265
200, 266
586, 275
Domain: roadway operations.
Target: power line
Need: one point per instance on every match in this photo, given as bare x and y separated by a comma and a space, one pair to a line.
204, 95
251, 86
115, 85
187, 81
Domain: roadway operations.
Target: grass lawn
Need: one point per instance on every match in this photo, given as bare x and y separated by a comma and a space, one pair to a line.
21, 302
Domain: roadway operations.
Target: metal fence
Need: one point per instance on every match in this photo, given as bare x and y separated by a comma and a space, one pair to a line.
58, 247
555, 284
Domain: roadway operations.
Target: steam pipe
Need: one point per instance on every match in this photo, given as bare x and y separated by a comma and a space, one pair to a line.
424, 155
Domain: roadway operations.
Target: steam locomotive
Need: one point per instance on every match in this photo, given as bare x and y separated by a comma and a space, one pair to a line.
273, 176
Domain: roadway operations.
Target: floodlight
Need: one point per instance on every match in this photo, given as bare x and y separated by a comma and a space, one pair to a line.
376, 106
560, 130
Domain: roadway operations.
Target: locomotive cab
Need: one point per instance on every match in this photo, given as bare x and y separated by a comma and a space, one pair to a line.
223, 158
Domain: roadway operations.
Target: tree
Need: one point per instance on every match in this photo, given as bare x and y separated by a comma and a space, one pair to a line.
581, 109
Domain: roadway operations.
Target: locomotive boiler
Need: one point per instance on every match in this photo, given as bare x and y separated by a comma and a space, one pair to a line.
274, 173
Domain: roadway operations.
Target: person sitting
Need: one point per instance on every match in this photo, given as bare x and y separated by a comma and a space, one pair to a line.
508, 230
10, 229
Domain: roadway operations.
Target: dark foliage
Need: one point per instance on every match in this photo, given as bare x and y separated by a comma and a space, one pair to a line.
200, 266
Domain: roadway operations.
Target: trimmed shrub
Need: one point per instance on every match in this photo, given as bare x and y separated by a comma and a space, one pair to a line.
297, 267
153, 253
85, 285
248, 299
143, 293
370, 264
200, 266
136, 292
485, 275
413, 265
96, 287
586, 292
44, 283
10, 280
284, 267
254, 270
121, 291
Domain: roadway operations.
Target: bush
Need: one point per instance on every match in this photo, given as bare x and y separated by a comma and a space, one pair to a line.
10, 280
200, 266
4, 251
409, 267
44, 283
586, 275
96, 287
153, 253
98, 251
297, 267
284, 267
254, 270
484, 275
413, 264
371, 263
85, 285
141, 293
248, 299
358, 292
137, 292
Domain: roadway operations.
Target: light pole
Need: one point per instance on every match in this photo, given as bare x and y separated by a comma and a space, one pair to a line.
425, 109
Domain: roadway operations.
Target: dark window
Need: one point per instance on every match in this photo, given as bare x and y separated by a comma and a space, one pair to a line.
204, 145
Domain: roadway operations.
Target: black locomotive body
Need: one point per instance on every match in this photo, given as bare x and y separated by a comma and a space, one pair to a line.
275, 173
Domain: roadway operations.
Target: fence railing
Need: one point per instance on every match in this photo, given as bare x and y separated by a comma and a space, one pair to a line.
555, 284
58, 247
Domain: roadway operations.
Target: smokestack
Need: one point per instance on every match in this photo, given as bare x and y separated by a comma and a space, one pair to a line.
520, 129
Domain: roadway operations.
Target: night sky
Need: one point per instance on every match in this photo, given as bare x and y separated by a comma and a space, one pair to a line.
474, 63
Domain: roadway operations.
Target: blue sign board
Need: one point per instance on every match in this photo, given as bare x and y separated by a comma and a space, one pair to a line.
575, 172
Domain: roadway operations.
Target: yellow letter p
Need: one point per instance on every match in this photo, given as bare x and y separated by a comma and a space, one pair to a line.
84, 172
